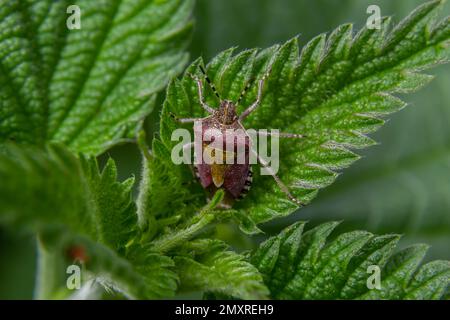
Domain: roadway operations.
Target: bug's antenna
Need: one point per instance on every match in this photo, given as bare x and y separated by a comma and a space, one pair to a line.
209, 82
244, 91
248, 85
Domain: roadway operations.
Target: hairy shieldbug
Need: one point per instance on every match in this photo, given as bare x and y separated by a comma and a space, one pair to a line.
234, 178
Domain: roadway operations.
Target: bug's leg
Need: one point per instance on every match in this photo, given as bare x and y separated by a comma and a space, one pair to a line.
188, 146
255, 104
280, 183
183, 120
258, 98
193, 168
201, 97
280, 134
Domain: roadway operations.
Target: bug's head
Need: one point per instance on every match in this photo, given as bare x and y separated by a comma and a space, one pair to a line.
226, 113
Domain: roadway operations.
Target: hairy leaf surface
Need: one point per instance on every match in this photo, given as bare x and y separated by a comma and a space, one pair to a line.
88, 88
306, 265
212, 267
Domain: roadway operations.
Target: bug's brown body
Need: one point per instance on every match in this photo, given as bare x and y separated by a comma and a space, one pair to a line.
235, 179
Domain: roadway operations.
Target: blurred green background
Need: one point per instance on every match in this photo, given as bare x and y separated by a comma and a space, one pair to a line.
401, 185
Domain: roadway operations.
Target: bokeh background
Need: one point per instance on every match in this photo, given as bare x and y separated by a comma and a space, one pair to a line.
402, 185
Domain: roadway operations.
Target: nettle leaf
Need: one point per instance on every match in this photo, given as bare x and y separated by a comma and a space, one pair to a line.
53, 192
306, 265
53, 188
22, 105
336, 91
44, 188
210, 266
88, 88
402, 184
167, 190
115, 211
139, 275
142, 275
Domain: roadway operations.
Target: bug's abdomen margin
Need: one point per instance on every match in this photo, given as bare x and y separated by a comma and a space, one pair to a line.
237, 180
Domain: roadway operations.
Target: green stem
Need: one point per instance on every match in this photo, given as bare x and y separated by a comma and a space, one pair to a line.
170, 241
48, 270
143, 146
198, 222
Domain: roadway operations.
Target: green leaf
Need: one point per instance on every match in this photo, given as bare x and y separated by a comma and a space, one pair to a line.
298, 265
141, 275
22, 105
62, 190
75, 205
166, 189
430, 282
115, 214
210, 266
88, 88
335, 92
402, 184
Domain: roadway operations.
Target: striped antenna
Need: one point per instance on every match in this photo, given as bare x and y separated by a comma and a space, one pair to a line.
213, 88
247, 86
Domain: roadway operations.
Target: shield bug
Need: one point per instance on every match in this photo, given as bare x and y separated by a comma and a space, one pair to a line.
219, 167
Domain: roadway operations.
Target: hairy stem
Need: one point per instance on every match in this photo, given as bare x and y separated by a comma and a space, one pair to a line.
172, 240
197, 223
